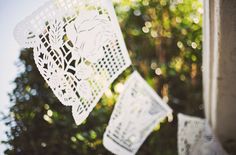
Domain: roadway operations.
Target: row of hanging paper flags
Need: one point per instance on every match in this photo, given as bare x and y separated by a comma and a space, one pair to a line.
79, 50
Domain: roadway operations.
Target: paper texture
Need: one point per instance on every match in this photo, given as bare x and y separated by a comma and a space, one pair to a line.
138, 110
78, 49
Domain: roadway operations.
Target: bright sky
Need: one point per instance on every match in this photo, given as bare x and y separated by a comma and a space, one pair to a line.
11, 12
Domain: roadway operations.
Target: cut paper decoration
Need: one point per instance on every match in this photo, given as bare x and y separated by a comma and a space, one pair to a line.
137, 111
78, 48
195, 137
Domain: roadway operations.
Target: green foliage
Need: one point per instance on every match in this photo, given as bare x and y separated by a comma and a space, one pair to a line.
164, 42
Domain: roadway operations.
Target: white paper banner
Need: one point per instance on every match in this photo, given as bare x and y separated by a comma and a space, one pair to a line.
78, 49
195, 137
138, 110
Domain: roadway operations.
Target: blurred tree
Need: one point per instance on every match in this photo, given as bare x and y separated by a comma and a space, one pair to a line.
164, 39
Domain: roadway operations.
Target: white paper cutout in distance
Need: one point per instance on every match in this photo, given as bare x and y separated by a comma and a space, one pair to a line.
137, 111
195, 137
78, 48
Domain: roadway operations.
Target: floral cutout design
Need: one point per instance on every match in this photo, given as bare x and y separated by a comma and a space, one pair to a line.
137, 111
78, 49
89, 33
84, 71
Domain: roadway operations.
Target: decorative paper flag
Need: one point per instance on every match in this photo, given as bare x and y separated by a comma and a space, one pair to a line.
138, 110
78, 49
195, 137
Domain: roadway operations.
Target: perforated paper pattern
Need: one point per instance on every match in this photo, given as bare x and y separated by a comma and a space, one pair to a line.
78, 49
195, 137
138, 110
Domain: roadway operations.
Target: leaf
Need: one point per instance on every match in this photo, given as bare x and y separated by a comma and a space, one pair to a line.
56, 34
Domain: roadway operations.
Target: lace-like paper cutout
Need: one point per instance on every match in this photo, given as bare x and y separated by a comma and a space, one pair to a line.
195, 137
138, 110
78, 49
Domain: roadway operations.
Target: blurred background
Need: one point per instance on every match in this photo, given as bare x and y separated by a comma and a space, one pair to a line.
164, 39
